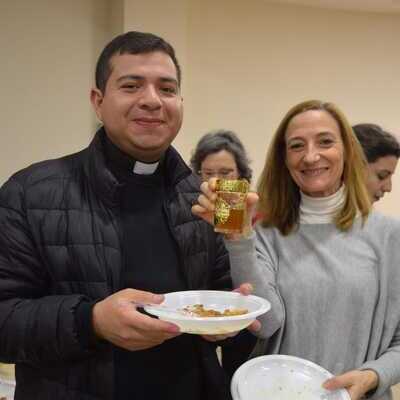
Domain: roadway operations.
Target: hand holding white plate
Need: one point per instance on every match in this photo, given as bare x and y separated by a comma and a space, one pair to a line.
214, 300
282, 377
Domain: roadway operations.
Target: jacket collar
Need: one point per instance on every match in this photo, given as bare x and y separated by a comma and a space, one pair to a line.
106, 184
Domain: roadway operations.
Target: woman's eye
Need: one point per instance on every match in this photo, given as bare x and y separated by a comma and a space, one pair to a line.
326, 142
295, 146
383, 176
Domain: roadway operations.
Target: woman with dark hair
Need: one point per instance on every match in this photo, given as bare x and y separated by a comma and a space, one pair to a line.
221, 154
328, 265
382, 151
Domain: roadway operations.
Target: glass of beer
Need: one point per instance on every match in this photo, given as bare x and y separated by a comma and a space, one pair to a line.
230, 206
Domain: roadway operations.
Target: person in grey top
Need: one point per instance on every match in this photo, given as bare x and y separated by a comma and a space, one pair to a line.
326, 262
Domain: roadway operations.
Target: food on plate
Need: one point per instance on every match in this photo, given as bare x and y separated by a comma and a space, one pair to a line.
198, 310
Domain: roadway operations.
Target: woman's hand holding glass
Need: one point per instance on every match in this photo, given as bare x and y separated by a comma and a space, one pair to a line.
205, 207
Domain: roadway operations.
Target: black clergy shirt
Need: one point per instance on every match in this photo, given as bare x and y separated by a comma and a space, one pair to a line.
170, 371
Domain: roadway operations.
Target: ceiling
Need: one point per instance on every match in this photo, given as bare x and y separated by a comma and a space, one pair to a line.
387, 6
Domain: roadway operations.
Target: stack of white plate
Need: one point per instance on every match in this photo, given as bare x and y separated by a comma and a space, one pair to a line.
7, 389
281, 377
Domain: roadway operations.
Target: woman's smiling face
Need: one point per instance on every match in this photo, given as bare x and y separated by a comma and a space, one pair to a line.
315, 153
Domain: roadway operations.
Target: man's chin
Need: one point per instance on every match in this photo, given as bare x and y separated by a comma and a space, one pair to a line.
148, 153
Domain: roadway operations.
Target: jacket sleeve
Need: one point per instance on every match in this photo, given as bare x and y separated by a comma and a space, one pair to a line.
35, 326
253, 261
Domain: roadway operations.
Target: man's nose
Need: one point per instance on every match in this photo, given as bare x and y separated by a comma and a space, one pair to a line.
150, 98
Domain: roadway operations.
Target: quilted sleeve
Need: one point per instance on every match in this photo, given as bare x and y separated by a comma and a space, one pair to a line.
35, 327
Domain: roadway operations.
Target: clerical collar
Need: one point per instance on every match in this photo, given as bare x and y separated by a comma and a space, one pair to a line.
125, 163
321, 210
142, 168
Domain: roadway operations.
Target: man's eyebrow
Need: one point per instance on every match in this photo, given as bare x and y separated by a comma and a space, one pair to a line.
132, 77
140, 78
169, 80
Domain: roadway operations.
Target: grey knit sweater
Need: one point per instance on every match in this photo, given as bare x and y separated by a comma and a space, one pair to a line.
335, 295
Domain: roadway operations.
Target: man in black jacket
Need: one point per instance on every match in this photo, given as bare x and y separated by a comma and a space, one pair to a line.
84, 237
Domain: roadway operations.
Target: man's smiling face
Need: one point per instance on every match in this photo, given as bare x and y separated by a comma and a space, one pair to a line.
141, 107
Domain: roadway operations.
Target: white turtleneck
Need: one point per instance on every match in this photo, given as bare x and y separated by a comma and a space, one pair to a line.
320, 210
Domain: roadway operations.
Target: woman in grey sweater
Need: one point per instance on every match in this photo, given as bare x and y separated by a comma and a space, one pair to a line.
329, 266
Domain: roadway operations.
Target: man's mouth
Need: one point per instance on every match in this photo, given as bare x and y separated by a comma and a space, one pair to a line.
149, 121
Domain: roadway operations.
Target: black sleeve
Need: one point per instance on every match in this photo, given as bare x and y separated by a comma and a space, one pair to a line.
35, 326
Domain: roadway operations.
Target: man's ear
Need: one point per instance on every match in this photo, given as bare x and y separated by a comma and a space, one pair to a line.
96, 98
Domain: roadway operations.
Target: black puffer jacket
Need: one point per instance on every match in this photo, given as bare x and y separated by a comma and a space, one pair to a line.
60, 244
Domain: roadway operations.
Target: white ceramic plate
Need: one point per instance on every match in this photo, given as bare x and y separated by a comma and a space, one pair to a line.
281, 377
210, 299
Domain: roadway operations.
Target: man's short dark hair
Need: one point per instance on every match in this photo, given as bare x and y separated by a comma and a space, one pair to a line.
131, 43
376, 142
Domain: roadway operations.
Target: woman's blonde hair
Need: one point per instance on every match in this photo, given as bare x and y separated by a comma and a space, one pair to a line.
279, 194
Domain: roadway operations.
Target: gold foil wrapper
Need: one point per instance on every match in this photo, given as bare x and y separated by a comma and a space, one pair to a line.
222, 210
230, 205
232, 185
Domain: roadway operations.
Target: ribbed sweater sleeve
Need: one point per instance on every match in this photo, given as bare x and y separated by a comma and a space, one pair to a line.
250, 265
387, 367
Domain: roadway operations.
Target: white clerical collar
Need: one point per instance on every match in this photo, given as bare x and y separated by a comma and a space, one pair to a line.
142, 168
320, 210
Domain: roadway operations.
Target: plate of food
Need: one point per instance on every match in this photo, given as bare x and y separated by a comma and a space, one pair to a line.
283, 377
209, 312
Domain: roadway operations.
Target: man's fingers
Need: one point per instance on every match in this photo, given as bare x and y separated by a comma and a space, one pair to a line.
131, 296
137, 320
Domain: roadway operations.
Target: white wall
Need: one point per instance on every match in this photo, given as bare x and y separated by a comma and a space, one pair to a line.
250, 61
48, 56
244, 64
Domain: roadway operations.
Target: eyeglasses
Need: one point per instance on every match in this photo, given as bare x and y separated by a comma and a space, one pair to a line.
225, 173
